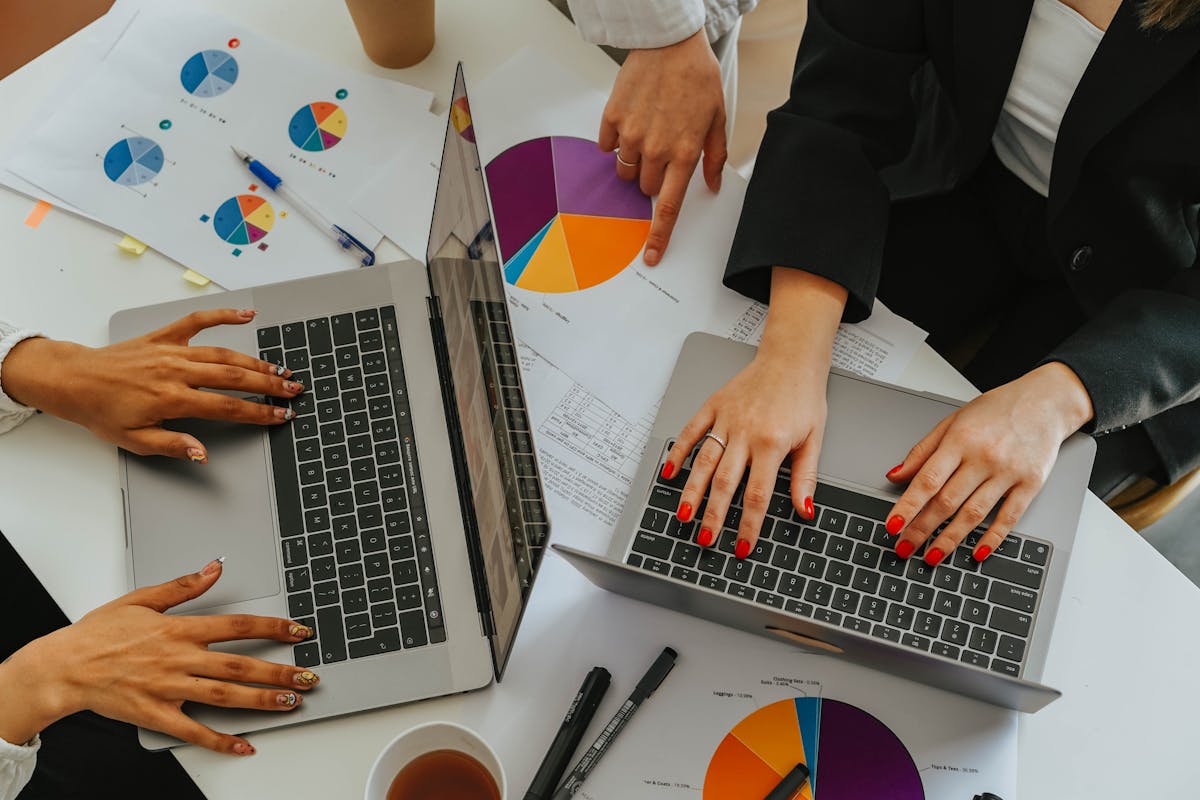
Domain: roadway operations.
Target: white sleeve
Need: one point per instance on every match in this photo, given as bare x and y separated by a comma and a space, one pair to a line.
637, 24
16, 766
12, 413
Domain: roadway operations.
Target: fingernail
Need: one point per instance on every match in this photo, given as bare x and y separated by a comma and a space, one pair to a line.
197, 455
743, 548
895, 469
306, 678
651, 257
894, 524
934, 556
685, 512
247, 313
300, 630
280, 369
668, 471
904, 548
243, 749
288, 699
212, 566
284, 414
705, 538
981, 552
809, 512
292, 386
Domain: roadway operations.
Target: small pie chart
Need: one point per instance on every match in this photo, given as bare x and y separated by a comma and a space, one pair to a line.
243, 219
318, 126
133, 161
849, 753
209, 73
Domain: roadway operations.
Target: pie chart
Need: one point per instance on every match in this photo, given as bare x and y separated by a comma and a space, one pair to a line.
564, 219
133, 161
460, 117
318, 126
209, 73
849, 753
243, 219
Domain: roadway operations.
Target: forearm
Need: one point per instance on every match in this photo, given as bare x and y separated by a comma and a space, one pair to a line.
33, 374
802, 319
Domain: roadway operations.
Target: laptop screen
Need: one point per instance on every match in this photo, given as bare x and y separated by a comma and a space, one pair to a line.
501, 490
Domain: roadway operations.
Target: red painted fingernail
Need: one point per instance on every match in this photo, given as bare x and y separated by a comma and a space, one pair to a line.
808, 508
934, 556
981, 552
904, 548
668, 471
684, 514
705, 538
895, 469
894, 524
743, 548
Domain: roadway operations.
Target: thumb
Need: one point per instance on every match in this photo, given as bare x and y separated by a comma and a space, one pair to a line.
162, 442
172, 593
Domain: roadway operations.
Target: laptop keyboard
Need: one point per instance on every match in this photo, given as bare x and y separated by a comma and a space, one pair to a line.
841, 569
357, 556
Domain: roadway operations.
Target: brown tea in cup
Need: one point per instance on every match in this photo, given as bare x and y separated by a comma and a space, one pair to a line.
444, 775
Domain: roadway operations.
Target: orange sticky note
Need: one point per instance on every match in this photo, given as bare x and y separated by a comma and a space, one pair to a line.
38, 214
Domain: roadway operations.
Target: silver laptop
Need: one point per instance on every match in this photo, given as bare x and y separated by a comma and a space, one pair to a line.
834, 585
400, 513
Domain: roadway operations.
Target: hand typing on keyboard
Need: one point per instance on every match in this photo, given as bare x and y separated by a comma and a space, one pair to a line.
125, 391
129, 661
999, 447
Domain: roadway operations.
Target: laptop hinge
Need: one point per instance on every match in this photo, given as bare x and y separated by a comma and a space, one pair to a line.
462, 475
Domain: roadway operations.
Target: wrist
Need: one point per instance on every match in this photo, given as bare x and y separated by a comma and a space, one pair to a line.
30, 371
1061, 387
803, 317
31, 697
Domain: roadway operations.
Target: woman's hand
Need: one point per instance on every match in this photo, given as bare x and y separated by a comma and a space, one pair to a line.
772, 410
125, 391
130, 662
667, 108
999, 447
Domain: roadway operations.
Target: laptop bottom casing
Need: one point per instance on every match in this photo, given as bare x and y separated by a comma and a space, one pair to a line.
870, 426
179, 516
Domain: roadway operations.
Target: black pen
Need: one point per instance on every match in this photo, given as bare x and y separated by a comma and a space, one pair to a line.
792, 782
579, 716
649, 682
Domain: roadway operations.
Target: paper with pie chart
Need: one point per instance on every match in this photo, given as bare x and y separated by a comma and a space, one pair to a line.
564, 220
835, 740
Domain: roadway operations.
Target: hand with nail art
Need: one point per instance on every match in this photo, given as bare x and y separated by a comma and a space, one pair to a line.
129, 661
772, 410
125, 391
997, 449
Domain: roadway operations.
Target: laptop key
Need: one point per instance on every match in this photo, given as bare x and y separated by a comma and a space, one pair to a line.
964, 560
761, 552
886, 633
881, 538
890, 563
859, 528
974, 659
1027, 575
920, 596
1011, 546
947, 578
833, 521
740, 590
944, 649
813, 566
685, 554
651, 545
892, 588
1005, 667
786, 558
818, 593
792, 585
866, 580
857, 625
948, 604
918, 570
655, 520
1035, 553
975, 612
664, 498
828, 616
1011, 648
845, 600
685, 574
839, 547
295, 552
769, 599
955, 632
1013, 622
727, 542
873, 608
412, 629
764, 577
900, 616
975, 586
866, 555
358, 626
786, 533
711, 561
738, 570
914, 641
812, 539
927, 624
320, 544
307, 654
656, 566
983, 640
300, 604
714, 583
839, 572
796, 607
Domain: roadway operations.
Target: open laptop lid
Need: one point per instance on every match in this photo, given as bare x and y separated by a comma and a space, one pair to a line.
500, 490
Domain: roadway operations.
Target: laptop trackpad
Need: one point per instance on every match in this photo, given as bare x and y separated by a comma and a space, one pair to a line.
183, 515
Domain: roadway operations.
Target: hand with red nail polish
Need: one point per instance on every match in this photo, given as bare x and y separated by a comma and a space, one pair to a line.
129, 661
993, 454
125, 391
771, 414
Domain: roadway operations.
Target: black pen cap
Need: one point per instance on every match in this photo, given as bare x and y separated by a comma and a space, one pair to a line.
579, 716
658, 671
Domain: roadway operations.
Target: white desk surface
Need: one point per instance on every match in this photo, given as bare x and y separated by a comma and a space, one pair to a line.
1125, 647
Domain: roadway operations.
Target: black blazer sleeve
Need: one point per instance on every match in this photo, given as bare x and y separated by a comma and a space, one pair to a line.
816, 201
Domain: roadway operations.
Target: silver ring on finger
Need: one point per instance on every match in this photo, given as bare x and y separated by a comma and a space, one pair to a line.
717, 439
625, 163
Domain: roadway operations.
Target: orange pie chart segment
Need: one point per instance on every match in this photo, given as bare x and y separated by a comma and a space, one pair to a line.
549, 269
602, 246
736, 772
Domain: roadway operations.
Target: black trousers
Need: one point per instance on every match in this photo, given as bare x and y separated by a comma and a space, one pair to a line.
84, 755
976, 263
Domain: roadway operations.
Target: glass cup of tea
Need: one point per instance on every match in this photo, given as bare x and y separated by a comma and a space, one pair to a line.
437, 761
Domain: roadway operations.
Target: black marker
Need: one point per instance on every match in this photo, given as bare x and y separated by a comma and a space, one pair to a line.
579, 716
650, 681
792, 782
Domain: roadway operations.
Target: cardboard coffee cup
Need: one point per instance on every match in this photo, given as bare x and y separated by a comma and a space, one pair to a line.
395, 33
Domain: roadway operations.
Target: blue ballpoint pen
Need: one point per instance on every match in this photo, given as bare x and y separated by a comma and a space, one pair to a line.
275, 184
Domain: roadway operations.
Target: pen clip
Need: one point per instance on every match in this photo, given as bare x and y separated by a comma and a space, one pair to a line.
348, 242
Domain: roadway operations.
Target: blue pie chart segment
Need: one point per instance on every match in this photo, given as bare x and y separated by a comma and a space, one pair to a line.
133, 161
209, 73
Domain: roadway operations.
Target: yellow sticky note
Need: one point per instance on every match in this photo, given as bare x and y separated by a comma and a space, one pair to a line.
193, 277
132, 246
39, 212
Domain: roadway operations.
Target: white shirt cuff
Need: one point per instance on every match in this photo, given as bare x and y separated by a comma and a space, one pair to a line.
16, 766
637, 24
